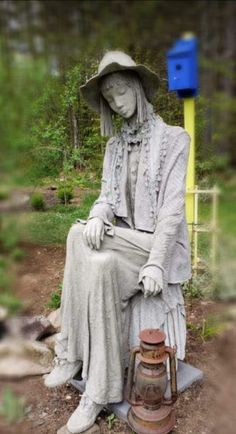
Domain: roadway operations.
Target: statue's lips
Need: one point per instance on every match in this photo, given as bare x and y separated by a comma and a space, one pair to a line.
124, 113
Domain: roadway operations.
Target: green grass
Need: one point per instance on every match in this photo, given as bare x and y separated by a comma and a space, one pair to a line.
210, 327
13, 407
55, 299
111, 420
13, 304
52, 226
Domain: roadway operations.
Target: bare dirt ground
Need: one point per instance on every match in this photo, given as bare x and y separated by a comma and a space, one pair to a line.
205, 408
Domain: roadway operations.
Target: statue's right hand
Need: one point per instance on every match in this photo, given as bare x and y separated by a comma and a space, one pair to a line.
94, 233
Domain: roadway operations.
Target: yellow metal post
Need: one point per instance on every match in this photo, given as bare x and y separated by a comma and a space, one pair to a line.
189, 125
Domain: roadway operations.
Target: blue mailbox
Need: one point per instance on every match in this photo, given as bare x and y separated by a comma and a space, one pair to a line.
182, 62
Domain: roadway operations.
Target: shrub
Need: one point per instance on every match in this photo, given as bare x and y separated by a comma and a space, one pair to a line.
37, 201
65, 193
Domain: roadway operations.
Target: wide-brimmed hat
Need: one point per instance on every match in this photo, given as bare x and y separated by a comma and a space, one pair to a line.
114, 61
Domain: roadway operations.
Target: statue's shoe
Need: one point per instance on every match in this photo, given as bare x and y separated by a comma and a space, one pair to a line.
62, 372
84, 416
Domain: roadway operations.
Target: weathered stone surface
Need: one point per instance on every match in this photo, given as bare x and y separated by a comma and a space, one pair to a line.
55, 319
3, 313
33, 328
15, 202
50, 341
93, 430
22, 357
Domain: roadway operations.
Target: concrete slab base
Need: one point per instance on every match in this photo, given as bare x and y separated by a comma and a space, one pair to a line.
186, 376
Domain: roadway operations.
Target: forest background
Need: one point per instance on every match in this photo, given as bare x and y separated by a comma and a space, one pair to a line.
51, 139
51, 156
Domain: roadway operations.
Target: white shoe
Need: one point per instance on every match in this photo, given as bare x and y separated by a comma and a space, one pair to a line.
62, 372
84, 416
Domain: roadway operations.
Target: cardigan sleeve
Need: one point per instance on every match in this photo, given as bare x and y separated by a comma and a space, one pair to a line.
101, 207
171, 212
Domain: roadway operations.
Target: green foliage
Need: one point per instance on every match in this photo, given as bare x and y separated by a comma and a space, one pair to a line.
9, 247
37, 201
55, 299
65, 193
11, 302
209, 328
12, 407
65, 132
53, 225
111, 419
9, 237
5, 281
4, 194
192, 289
21, 84
17, 254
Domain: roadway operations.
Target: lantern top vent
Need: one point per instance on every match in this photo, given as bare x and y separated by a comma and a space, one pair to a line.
152, 336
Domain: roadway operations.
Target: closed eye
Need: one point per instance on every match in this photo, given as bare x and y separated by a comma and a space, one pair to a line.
122, 91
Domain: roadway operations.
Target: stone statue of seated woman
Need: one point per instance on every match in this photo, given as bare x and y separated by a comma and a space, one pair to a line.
125, 264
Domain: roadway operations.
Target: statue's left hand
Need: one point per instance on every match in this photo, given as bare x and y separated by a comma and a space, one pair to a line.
150, 287
94, 232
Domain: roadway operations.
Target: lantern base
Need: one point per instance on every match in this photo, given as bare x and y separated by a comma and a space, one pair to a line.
145, 421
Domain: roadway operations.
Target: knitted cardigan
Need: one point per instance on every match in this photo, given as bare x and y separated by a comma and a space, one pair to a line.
159, 197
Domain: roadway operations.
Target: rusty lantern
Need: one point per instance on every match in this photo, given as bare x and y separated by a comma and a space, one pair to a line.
150, 412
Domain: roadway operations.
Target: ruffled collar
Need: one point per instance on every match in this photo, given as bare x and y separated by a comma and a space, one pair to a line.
140, 136
135, 133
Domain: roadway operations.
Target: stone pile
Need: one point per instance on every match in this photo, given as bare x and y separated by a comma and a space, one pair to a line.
27, 344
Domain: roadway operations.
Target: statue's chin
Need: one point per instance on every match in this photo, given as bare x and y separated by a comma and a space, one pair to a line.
129, 116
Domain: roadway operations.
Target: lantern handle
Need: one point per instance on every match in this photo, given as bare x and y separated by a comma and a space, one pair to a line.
173, 378
130, 379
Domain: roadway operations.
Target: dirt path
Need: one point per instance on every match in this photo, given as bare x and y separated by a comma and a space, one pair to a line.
205, 408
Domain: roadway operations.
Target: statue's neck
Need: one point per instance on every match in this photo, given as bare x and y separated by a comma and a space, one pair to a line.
132, 124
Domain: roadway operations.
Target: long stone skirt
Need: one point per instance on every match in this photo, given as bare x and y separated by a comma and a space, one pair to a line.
101, 309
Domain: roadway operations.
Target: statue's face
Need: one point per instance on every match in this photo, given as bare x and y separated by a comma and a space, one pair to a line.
119, 95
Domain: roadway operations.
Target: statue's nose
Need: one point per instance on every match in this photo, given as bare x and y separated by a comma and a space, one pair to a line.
119, 104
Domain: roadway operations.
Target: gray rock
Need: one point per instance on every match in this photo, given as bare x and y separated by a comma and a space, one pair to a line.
93, 430
22, 357
55, 319
32, 328
50, 341
15, 202
3, 313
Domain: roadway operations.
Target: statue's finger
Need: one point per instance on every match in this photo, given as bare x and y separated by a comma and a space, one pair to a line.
102, 233
156, 289
88, 237
145, 284
152, 286
93, 236
97, 241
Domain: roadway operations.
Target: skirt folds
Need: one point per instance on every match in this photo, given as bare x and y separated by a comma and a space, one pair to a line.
103, 308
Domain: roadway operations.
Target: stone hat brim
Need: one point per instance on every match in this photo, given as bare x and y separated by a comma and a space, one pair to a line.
91, 89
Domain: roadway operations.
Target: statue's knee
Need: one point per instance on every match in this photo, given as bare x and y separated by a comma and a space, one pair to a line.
102, 260
76, 232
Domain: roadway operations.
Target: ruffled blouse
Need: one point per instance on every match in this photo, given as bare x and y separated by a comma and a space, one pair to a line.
132, 173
